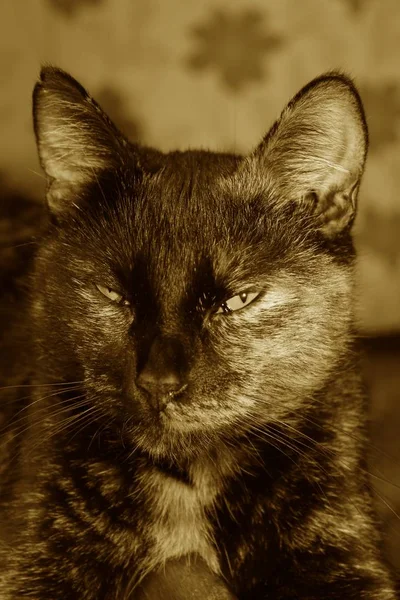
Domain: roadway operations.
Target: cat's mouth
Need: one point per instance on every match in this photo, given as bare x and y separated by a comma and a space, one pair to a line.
174, 419
183, 418
170, 412
176, 431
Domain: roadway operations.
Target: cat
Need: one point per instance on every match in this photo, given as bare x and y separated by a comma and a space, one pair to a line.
192, 422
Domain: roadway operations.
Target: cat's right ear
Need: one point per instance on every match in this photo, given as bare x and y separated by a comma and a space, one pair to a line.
76, 140
314, 155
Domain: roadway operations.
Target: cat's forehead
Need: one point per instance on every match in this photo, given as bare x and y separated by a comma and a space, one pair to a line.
180, 215
203, 165
179, 220
188, 184
172, 224
185, 199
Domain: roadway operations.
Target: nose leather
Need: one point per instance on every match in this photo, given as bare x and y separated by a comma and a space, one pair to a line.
163, 375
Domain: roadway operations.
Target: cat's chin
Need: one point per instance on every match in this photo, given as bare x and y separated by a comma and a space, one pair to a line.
165, 436
160, 447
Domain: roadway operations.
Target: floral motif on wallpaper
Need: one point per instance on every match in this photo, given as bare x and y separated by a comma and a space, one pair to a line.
235, 45
69, 7
355, 5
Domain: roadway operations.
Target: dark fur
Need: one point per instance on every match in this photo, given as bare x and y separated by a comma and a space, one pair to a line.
261, 456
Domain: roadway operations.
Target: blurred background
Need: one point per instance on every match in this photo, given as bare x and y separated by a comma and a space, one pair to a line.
215, 74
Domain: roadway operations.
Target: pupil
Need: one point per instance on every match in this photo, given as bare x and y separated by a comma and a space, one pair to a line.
243, 297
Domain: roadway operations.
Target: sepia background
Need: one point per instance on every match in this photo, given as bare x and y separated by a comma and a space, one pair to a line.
215, 74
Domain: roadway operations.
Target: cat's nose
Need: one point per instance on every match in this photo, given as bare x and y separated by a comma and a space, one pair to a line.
163, 374
160, 384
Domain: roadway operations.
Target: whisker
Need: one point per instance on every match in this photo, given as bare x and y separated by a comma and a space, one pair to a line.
96, 412
20, 429
336, 463
98, 432
53, 394
385, 502
21, 245
66, 423
36, 173
337, 429
384, 480
46, 408
38, 385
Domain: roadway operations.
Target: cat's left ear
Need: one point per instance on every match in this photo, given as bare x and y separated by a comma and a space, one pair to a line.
76, 140
315, 153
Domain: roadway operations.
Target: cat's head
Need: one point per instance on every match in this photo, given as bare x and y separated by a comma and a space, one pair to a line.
196, 294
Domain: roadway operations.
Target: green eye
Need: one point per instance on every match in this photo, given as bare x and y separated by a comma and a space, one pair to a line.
237, 302
112, 295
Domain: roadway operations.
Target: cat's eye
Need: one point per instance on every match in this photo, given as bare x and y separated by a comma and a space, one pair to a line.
237, 302
112, 295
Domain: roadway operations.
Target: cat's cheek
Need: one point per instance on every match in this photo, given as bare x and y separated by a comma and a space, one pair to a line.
238, 344
281, 357
224, 335
102, 345
104, 322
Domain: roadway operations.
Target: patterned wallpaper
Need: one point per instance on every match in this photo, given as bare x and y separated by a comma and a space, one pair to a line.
185, 73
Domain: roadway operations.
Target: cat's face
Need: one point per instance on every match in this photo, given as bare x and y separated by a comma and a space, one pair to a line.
193, 295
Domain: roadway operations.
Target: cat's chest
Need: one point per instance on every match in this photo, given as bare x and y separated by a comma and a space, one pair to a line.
179, 510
